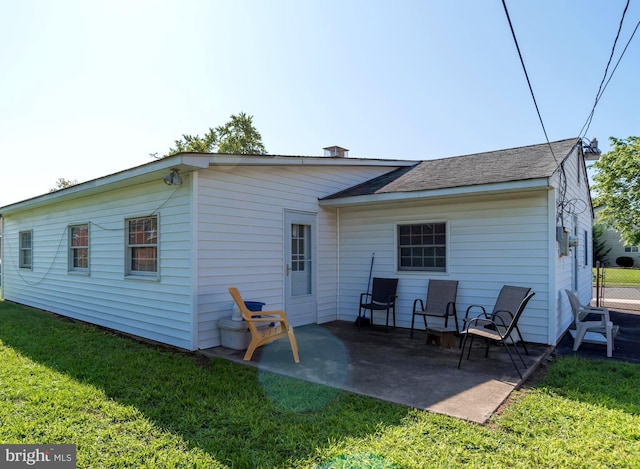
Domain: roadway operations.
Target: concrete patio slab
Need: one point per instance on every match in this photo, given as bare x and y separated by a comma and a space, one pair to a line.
392, 367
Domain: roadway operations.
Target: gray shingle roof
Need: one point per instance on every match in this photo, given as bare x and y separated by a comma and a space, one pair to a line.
514, 164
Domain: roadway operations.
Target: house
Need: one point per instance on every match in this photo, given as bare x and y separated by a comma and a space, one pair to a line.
615, 246
151, 251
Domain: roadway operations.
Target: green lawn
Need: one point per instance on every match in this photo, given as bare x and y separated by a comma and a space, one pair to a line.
619, 277
126, 404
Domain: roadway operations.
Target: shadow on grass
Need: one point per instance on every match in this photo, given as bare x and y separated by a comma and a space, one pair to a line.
215, 405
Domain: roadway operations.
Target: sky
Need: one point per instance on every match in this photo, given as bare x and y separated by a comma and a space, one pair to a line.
90, 88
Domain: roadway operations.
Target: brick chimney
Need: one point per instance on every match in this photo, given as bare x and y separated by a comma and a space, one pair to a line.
336, 152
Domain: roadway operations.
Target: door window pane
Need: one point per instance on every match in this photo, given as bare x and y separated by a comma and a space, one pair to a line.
300, 259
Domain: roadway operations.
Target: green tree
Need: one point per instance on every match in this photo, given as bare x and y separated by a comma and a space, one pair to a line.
617, 188
63, 183
237, 136
600, 249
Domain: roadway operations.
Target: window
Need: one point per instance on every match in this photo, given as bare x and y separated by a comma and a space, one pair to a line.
299, 247
631, 249
79, 248
26, 249
422, 247
142, 246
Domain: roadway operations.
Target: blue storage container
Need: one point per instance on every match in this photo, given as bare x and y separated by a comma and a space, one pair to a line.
254, 305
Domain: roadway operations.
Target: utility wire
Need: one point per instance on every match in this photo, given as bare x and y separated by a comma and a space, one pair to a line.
587, 124
515, 40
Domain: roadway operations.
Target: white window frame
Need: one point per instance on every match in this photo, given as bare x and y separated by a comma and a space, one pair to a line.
131, 247
398, 247
631, 249
22, 250
73, 249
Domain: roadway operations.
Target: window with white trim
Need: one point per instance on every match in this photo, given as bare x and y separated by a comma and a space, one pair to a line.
79, 248
631, 249
142, 246
25, 246
422, 247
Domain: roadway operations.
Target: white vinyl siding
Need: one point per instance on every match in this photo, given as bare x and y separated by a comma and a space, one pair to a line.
493, 241
158, 308
241, 235
571, 270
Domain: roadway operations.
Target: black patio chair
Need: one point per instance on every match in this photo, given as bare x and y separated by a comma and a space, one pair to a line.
440, 303
507, 303
495, 328
382, 298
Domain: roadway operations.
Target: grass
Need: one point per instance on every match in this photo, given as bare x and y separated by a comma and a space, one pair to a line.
128, 404
619, 277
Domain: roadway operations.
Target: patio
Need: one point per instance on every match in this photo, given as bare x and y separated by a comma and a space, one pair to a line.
392, 367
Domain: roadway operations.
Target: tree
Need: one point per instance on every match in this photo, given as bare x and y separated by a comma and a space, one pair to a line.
63, 183
600, 249
617, 188
237, 136
195, 143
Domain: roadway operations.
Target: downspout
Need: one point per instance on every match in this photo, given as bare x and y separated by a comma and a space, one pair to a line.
338, 263
552, 260
1, 254
193, 252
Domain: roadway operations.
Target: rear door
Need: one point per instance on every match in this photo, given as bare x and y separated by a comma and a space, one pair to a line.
300, 267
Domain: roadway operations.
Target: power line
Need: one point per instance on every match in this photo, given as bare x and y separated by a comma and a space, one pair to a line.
587, 124
524, 68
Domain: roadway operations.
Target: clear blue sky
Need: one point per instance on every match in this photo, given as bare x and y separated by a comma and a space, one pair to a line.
88, 88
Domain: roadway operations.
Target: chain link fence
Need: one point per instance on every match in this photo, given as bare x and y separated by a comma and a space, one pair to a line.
617, 288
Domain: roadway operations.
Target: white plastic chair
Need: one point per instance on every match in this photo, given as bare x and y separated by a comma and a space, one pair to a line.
595, 332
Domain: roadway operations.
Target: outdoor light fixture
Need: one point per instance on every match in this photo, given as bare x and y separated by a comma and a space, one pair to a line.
173, 179
591, 150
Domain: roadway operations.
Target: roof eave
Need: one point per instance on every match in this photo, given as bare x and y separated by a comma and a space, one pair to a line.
445, 193
275, 160
137, 175
185, 162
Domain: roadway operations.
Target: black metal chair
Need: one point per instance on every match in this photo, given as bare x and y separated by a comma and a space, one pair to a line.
497, 328
440, 303
382, 298
507, 303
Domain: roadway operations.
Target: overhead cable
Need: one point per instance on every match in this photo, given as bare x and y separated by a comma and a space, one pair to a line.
524, 68
587, 124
